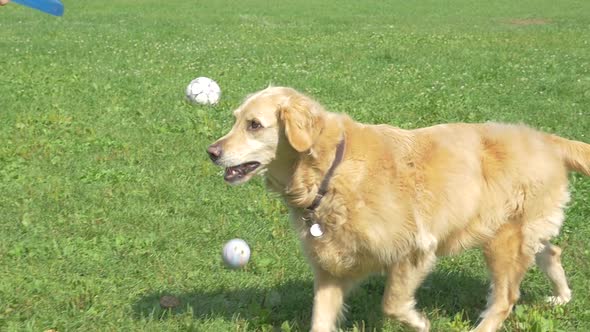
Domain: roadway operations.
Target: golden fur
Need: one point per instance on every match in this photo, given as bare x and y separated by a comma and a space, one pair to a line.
400, 198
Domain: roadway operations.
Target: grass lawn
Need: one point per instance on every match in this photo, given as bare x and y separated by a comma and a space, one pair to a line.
108, 200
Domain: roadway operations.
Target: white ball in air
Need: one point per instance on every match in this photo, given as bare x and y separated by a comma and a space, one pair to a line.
236, 253
204, 91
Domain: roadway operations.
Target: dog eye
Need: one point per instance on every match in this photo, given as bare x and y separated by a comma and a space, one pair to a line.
254, 125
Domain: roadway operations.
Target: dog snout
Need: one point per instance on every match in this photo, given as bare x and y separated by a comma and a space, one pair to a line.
214, 151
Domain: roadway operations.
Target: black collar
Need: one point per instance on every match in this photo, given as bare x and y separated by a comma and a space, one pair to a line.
324, 186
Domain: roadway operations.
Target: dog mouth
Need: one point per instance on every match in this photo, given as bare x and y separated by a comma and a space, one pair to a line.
240, 173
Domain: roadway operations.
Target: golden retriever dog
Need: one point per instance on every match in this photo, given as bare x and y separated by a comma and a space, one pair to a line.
368, 199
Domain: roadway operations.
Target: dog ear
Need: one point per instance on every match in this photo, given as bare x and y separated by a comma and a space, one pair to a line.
300, 121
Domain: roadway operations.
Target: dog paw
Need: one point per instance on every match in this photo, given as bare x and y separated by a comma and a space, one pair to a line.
426, 327
420, 325
557, 300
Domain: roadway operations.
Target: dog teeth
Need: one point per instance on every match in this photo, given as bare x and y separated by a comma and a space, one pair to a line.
232, 172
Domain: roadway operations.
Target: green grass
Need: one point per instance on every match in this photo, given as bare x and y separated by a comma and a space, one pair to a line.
108, 200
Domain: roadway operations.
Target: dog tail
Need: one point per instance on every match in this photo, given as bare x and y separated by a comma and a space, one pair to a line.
575, 154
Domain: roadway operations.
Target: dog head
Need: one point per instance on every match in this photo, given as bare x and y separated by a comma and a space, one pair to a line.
271, 126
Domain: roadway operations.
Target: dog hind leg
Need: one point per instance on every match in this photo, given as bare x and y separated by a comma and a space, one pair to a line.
508, 260
549, 261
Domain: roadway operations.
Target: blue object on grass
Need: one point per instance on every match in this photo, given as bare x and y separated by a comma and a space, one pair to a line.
53, 7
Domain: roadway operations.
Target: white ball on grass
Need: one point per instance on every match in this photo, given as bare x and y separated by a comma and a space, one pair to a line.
203, 90
236, 253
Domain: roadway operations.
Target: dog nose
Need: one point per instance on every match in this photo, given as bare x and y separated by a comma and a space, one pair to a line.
214, 151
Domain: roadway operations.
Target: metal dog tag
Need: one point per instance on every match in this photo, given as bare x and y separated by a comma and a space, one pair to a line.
315, 230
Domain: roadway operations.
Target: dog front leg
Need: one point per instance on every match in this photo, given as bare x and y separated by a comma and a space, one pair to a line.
328, 301
403, 279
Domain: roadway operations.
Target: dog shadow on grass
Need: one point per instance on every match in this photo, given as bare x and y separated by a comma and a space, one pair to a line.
444, 293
